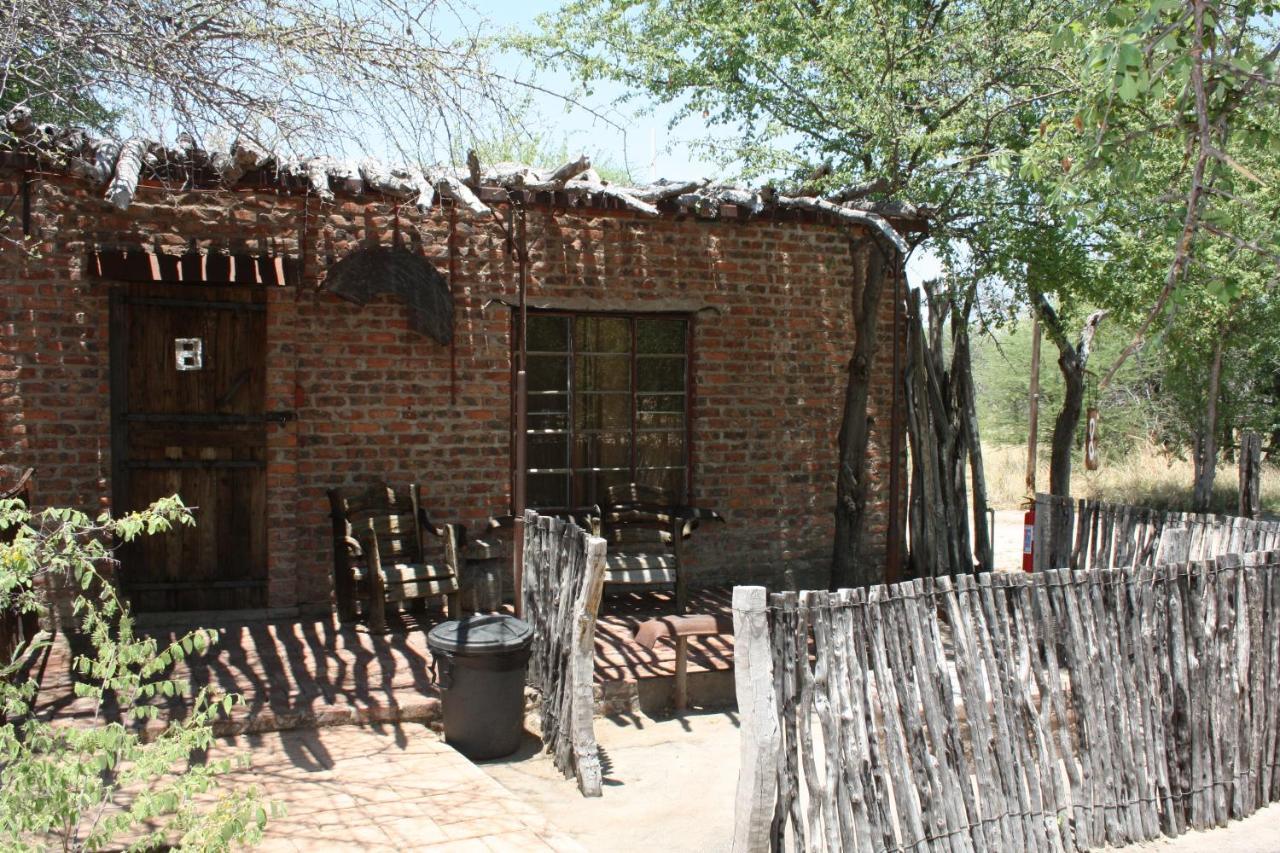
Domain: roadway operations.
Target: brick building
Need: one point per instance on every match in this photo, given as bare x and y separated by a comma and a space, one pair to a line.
698, 339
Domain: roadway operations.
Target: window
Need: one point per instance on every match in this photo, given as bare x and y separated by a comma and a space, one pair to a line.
608, 403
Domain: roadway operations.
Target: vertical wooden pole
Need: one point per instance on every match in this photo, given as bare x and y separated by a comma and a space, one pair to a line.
1250, 474
893, 554
520, 498
758, 718
681, 699
1033, 425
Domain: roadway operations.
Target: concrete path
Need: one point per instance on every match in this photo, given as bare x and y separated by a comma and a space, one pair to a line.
393, 787
669, 785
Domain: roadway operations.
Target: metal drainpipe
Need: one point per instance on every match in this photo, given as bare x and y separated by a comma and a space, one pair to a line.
519, 499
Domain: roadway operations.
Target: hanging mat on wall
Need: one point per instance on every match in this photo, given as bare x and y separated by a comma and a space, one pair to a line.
367, 272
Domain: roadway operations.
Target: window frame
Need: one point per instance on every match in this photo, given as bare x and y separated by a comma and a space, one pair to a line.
633, 429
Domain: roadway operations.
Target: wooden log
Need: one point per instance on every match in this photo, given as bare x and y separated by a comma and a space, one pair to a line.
662, 190
1009, 759
570, 170
1199, 733
855, 761
128, 169
874, 221
1029, 744
1148, 689
971, 674
961, 821
759, 734
1154, 591
1115, 706
397, 182
1138, 686
243, 157
1229, 687
1181, 713
786, 627
1251, 745
1271, 621
879, 791
316, 170
462, 194
906, 796
1040, 536
623, 196
1075, 798
923, 765
804, 725
837, 815
586, 752
749, 200
1086, 692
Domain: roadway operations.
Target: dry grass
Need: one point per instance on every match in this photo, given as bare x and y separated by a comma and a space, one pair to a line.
1145, 477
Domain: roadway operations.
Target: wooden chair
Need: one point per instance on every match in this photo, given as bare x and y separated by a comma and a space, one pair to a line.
380, 552
646, 530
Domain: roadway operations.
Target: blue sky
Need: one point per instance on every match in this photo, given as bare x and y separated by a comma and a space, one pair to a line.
643, 144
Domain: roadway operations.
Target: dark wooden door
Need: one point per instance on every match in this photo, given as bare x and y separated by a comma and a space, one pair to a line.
188, 392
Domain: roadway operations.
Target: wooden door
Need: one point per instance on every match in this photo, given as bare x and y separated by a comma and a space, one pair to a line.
188, 390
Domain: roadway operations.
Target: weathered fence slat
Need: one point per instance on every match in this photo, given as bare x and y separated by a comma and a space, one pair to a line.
562, 583
757, 713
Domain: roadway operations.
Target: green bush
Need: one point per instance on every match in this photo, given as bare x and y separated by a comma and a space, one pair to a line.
99, 784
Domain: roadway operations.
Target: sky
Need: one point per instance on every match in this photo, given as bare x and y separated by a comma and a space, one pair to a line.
644, 145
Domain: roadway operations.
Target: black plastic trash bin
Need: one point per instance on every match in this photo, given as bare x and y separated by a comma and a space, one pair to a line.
480, 662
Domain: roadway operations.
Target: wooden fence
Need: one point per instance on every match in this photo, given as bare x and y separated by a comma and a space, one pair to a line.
1054, 711
563, 581
1084, 534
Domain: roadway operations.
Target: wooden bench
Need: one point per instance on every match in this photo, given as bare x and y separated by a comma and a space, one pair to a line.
680, 629
380, 552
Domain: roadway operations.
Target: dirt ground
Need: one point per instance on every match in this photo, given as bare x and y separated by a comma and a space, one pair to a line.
669, 784
1007, 539
1258, 833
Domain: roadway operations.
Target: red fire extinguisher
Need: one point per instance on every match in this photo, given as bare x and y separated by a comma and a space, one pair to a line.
1029, 539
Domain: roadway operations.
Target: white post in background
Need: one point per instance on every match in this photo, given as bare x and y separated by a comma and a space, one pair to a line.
758, 715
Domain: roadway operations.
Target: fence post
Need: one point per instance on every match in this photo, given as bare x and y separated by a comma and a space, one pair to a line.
1250, 474
758, 715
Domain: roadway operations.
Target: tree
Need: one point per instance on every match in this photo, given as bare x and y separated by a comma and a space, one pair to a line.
864, 102
286, 75
1177, 117
86, 787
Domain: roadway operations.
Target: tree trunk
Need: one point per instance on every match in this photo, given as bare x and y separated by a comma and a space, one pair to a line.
1206, 455
1064, 427
1072, 361
962, 369
848, 569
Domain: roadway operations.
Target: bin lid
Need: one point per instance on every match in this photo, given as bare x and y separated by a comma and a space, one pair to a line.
492, 633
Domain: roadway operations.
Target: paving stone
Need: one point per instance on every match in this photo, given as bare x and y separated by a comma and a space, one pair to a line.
354, 786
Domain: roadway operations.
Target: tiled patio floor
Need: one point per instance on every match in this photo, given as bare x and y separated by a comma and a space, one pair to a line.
393, 787
315, 672
619, 659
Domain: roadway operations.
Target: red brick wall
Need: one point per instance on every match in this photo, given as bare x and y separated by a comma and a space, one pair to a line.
375, 400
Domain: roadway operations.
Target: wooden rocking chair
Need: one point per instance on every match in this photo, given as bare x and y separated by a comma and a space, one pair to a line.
380, 552
646, 530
